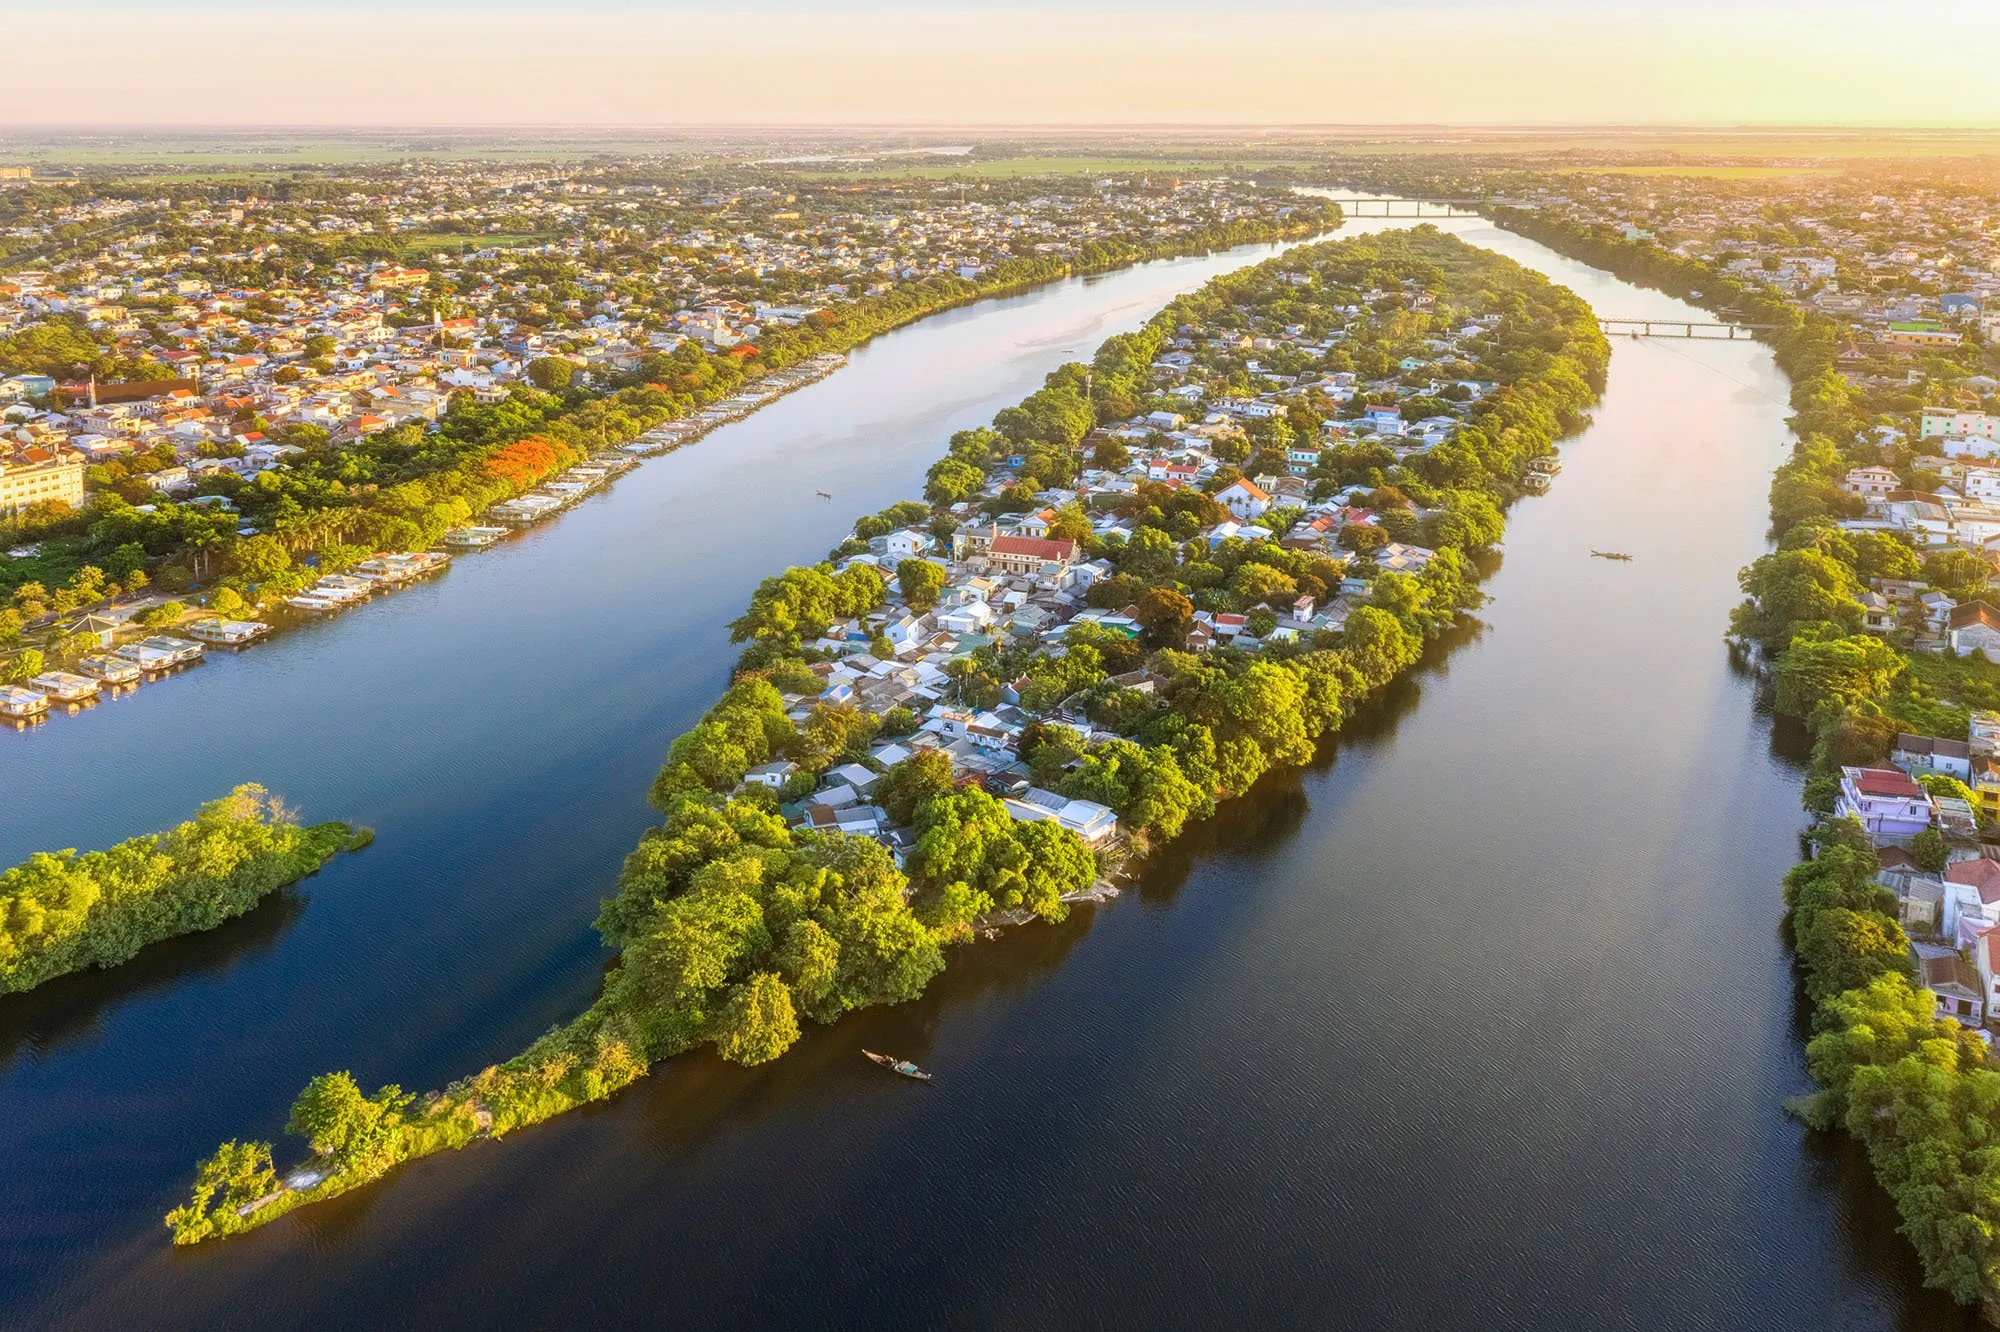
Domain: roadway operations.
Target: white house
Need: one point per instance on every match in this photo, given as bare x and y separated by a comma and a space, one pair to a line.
1974, 627
1866, 481
1923, 753
1086, 818
1971, 898
1244, 498
973, 617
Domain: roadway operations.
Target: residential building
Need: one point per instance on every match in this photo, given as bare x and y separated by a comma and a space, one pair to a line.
1887, 802
37, 475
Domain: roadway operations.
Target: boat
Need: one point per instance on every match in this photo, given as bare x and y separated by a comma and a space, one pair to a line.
66, 688
473, 538
1610, 555
895, 1065
18, 704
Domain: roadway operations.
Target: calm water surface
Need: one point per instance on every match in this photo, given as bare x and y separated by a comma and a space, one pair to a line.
1482, 1021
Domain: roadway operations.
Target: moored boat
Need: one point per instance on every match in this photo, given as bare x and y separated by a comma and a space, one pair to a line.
902, 1066
111, 670
66, 688
21, 704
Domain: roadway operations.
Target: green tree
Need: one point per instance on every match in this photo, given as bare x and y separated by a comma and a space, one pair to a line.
551, 373
1823, 664
757, 1023
1165, 616
907, 785
920, 582
1928, 849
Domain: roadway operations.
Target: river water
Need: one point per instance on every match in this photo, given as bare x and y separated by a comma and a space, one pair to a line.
1484, 1020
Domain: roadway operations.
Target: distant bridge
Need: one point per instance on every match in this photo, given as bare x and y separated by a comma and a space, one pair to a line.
1410, 207
1681, 328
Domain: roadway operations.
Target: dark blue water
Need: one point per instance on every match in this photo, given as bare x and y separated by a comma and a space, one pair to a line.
1484, 1021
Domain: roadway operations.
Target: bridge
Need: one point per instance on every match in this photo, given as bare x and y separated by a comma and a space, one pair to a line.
1410, 207
1680, 328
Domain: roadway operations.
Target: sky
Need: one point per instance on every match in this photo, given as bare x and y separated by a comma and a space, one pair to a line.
993, 62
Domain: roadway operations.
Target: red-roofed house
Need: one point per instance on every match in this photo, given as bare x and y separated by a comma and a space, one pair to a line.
1031, 556
1886, 801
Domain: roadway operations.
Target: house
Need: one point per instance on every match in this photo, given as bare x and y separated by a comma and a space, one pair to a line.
1960, 992
1037, 524
1086, 818
1867, 481
904, 633
1031, 556
1246, 499
1970, 898
855, 776
1986, 961
973, 617
907, 543
1383, 420
773, 775
1945, 422
1923, 753
1399, 558
1974, 627
1886, 801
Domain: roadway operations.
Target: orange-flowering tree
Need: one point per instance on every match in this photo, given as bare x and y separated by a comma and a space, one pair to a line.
526, 461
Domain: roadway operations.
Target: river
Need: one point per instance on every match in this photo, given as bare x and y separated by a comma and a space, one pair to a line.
1484, 1019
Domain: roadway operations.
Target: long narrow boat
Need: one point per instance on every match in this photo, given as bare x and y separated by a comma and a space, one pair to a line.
895, 1065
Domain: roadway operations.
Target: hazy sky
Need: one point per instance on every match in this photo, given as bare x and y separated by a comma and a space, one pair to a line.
1919, 62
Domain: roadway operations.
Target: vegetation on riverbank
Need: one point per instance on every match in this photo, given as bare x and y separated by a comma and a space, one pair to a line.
61, 912
1920, 1092
735, 928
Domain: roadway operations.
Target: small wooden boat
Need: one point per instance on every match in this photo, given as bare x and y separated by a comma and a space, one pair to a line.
822, 494
895, 1065
1610, 555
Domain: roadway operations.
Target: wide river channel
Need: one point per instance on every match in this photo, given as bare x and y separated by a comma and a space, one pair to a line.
1483, 1021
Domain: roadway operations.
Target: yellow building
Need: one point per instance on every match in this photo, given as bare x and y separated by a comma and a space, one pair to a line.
36, 476
1986, 789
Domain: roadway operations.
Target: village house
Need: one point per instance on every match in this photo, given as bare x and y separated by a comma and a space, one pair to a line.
1244, 498
1885, 800
1974, 627
1022, 556
1923, 753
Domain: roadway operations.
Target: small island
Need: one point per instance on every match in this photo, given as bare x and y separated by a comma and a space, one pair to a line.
61, 911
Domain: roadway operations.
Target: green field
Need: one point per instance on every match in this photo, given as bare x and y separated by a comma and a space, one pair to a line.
1716, 172
422, 245
1004, 168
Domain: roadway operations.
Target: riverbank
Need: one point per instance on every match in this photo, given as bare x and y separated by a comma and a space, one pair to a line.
500, 458
691, 971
